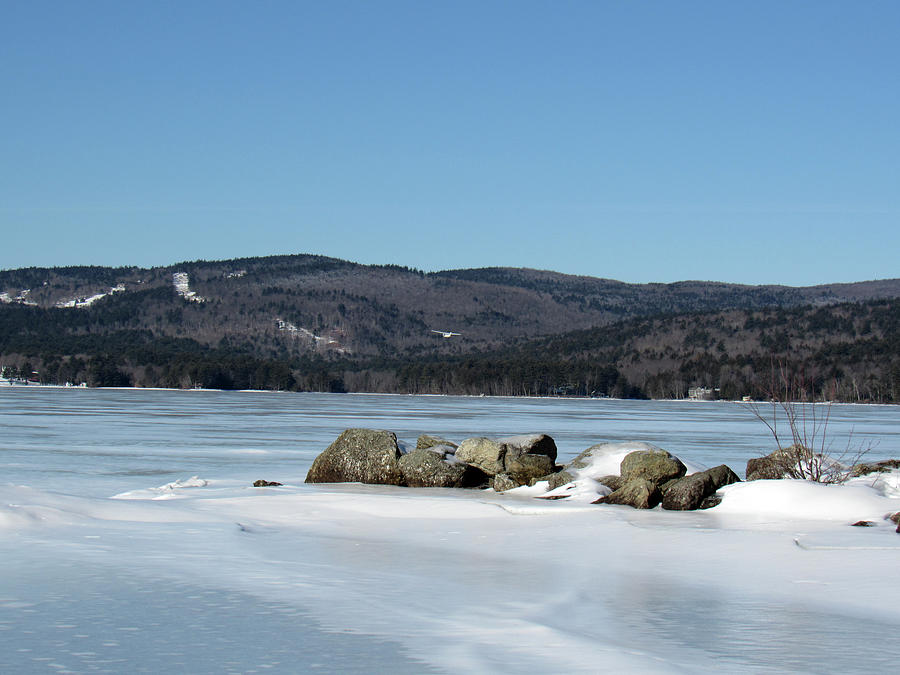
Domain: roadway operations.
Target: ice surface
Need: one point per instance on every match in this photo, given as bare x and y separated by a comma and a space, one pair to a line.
354, 578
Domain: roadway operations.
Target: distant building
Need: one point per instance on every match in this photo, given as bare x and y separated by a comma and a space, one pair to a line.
702, 394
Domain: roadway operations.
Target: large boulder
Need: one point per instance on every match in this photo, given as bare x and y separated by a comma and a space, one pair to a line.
781, 463
604, 459
657, 466
527, 468
637, 492
529, 456
530, 444
359, 456
437, 467
596, 469
484, 453
691, 492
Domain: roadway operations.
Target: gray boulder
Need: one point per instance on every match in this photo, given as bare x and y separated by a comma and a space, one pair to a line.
430, 467
359, 456
502, 482
484, 453
686, 494
691, 492
637, 492
781, 463
527, 468
531, 444
657, 466
425, 441
722, 475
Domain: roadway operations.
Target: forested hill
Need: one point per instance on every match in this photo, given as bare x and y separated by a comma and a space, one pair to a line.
318, 322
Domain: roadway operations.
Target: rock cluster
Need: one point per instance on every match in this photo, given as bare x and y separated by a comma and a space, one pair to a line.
648, 476
652, 477
374, 456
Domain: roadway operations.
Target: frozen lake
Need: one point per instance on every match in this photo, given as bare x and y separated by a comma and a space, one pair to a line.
212, 575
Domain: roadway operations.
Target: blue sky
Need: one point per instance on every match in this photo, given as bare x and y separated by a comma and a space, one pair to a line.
750, 142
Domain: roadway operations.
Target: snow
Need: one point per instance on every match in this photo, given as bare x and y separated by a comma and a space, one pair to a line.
88, 301
182, 284
20, 298
479, 582
793, 500
200, 572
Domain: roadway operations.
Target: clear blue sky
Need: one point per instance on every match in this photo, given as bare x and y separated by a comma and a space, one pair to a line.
751, 142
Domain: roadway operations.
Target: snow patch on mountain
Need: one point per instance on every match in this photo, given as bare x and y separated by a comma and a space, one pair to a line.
88, 301
181, 282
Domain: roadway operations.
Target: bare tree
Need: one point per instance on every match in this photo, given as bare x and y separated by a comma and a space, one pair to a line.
796, 414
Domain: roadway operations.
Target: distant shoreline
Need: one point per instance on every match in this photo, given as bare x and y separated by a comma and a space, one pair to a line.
6, 385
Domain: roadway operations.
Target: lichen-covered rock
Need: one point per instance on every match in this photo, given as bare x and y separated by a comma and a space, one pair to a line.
484, 453
690, 492
359, 456
656, 465
604, 459
781, 463
434, 467
425, 441
884, 466
530, 444
502, 482
527, 468
722, 475
687, 493
612, 482
558, 479
713, 500
637, 492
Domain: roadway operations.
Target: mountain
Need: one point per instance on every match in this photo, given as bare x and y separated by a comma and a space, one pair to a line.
314, 319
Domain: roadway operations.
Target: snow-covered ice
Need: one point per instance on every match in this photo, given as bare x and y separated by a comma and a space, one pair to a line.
224, 577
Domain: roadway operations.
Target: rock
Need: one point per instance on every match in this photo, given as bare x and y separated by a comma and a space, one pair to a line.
602, 457
883, 466
612, 482
484, 453
425, 441
502, 482
781, 463
863, 523
265, 483
531, 444
690, 492
424, 467
686, 494
722, 475
637, 492
711, 501
527, 468
558, 479
359, 455
657, 466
